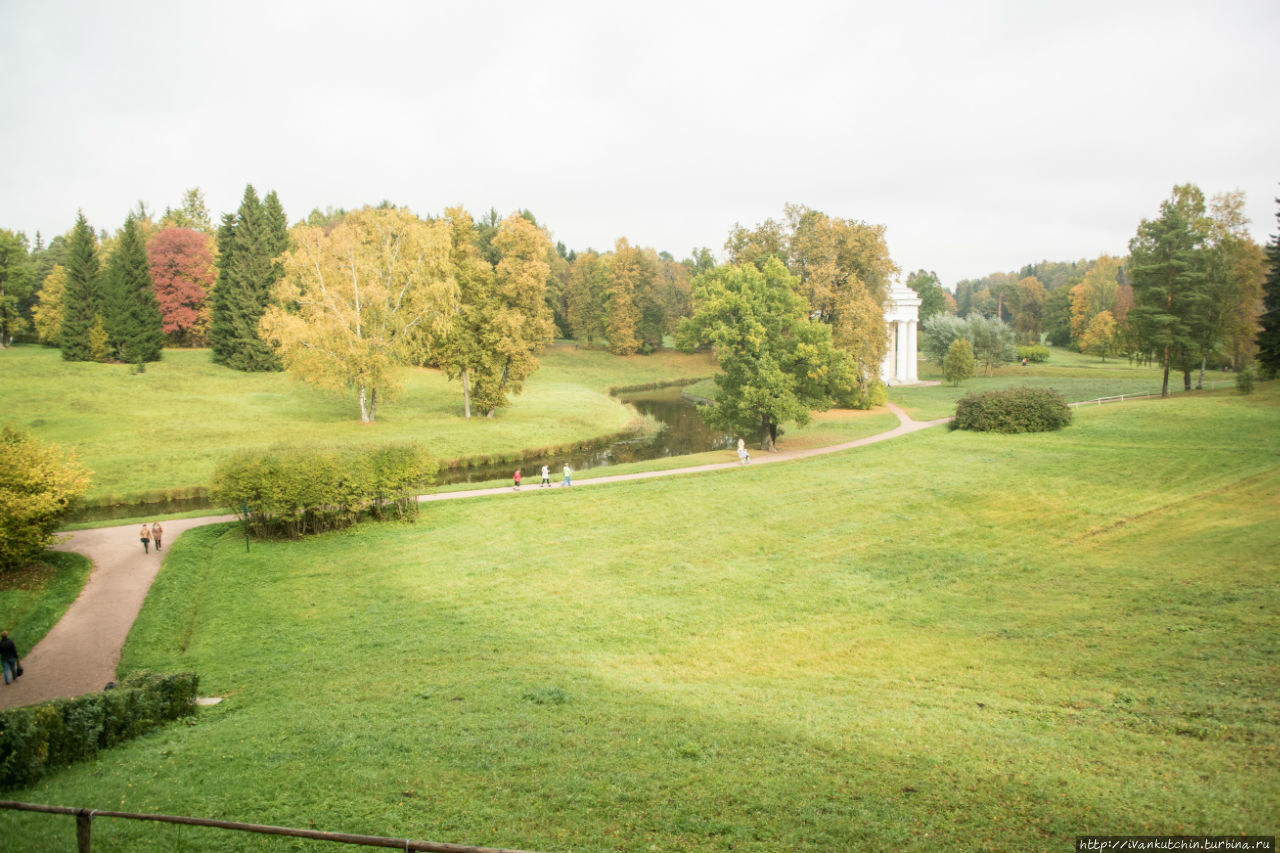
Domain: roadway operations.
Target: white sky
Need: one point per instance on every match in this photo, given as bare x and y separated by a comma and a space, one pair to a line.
984, 135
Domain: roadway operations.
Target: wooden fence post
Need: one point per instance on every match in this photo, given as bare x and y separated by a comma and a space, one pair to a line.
84, 819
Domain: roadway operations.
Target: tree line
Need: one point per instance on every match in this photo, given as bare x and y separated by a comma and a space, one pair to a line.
344, 298
1195, 292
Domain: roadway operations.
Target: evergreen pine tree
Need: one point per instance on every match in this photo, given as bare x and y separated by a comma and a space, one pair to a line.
82, 299
247, 271
1269, 334
133, 320
221, 337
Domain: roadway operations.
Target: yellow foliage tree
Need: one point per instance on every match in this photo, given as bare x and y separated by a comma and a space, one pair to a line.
47, 312
359, 301
1098, 292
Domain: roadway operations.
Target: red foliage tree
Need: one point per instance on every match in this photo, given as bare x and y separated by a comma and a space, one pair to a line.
183, 273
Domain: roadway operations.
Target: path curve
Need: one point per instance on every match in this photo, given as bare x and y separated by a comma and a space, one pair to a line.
80, 654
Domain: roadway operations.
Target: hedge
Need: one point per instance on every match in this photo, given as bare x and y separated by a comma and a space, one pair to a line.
1035, 353
35, 739
292, 491
1012, 410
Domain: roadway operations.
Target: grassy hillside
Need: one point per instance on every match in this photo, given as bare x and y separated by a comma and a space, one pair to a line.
948, 641
162, 432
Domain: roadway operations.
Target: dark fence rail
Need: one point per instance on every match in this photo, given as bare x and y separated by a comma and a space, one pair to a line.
84, 819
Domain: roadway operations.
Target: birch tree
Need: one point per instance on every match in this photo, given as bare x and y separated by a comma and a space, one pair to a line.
359, 302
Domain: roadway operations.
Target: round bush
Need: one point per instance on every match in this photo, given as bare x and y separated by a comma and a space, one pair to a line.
1012, 410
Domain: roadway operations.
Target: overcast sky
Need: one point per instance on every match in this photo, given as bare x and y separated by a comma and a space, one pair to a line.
982, 135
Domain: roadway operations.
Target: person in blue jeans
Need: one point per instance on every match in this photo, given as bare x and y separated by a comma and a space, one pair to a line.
9, 656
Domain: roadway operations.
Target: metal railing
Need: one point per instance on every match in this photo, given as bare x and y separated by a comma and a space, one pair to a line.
85, 817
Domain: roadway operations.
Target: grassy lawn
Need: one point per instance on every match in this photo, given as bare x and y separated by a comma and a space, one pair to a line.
162, 432
33, 599
1077, 377
948, 641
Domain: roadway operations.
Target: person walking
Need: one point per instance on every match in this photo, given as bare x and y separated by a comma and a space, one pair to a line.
9, 657
546, 477
517, 480
568, 475
145, 536
743, 456
156, 532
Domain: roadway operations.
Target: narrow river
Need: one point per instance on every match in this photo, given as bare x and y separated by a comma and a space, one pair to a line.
682, 433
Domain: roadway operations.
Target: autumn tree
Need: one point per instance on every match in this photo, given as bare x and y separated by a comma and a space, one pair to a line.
1097, 292
248, 244
47, 314
1269, 322
1235, 269
1100, 338
183, 273
132, 317
1029, 313
358, 302
39, 485
518, 310
626, 273
82, 302
844, 270
776, 363
587, 296
15, 285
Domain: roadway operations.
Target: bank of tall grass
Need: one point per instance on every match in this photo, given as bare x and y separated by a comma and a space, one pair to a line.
948, 641
159, 434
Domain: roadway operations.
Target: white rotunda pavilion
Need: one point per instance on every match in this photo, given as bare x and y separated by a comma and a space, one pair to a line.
902, 316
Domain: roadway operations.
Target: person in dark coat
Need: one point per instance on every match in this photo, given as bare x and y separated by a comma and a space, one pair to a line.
9, 657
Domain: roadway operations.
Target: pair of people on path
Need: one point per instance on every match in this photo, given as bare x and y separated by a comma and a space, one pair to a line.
9, 658
546, 477
146, 535
743, 456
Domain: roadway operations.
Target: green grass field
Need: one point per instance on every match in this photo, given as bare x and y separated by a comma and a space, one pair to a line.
162, 432
948, 641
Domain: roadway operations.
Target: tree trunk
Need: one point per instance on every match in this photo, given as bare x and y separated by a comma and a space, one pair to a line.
768, 435
1186, 379
373, 405
1164, 387
1200, 378
466, 394
364, 407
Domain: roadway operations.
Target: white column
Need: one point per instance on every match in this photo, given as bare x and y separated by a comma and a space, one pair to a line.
902, 351
912, 343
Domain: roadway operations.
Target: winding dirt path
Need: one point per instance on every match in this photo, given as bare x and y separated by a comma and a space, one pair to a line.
80, 654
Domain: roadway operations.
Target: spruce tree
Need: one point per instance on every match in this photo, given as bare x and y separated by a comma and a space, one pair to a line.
246, 274
133, 320
1269, 334
82, 299
221, 337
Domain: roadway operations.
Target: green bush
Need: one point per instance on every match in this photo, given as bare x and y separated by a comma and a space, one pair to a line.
292, 491
1244, 381
1035, 353
1012, 410
34, 739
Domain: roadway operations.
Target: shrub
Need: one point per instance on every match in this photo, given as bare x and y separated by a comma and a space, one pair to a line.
1244, 381
959, 364
292, 491
35, 739
39, 485
1012, 410
1035, 353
